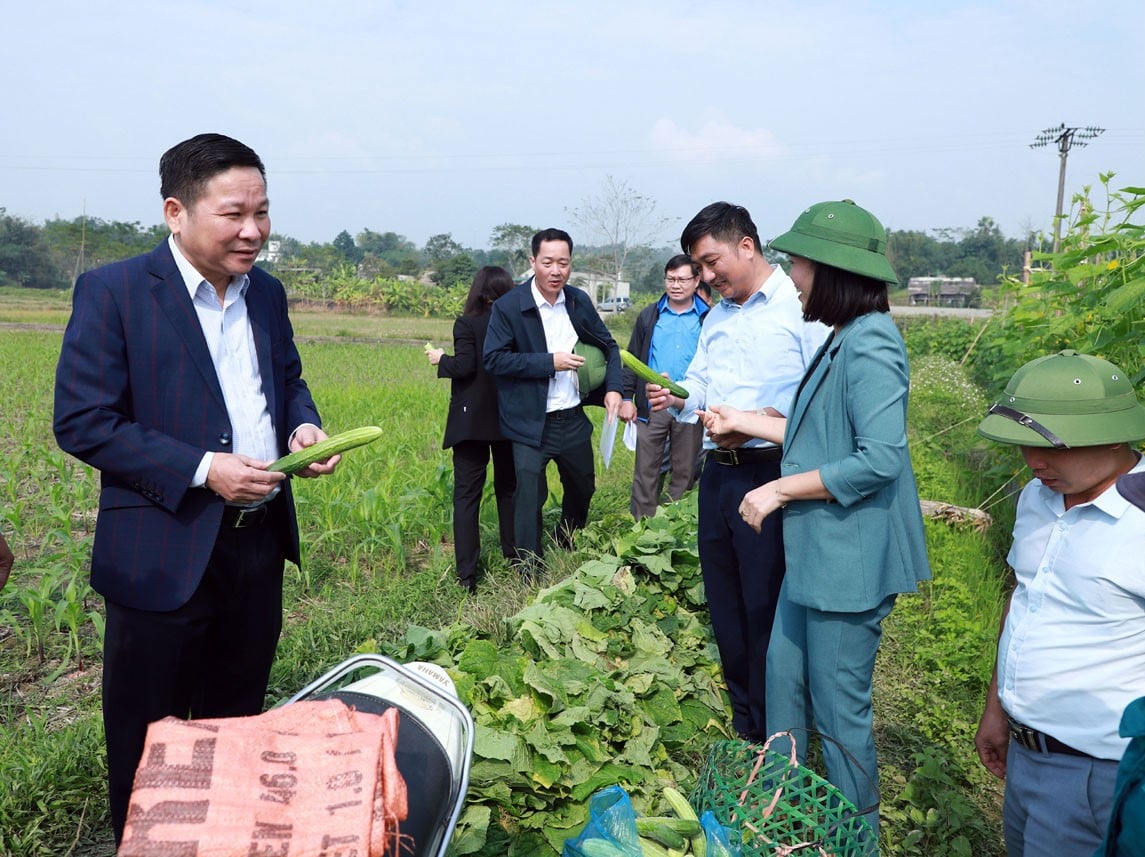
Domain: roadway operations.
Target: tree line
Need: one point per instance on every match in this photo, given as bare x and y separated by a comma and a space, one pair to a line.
51, 255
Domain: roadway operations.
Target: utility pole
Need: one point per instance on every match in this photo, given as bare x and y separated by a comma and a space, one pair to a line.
1065, 138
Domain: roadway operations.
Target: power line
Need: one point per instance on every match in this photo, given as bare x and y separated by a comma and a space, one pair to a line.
1065, 138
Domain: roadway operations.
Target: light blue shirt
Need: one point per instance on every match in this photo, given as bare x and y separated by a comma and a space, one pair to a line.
230, 341
752, 355
674, 338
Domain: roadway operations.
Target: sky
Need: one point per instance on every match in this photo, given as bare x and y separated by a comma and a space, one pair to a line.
431, 117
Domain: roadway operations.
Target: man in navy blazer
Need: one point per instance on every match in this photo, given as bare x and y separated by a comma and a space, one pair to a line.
179, 381
529, 349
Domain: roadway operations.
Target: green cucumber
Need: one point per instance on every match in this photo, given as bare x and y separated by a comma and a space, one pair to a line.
324, 449
643, 370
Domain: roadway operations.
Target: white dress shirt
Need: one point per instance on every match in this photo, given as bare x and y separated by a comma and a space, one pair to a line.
230, 341
564, 388
1072, 652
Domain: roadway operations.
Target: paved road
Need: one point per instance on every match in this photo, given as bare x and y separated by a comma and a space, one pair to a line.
942, 311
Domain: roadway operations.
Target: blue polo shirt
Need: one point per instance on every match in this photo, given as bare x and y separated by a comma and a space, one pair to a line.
675, 337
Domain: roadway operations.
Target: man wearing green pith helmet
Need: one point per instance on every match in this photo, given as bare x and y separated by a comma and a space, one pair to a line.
1071, 654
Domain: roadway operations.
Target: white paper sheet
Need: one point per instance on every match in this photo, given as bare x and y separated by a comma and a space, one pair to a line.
607, 439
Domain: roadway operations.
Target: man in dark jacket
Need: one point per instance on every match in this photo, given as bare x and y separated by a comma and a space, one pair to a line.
529, 348
665, 338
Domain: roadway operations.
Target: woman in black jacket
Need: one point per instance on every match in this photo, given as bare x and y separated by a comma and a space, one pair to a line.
472, 429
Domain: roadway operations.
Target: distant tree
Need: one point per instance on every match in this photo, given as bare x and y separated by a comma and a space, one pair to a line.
461, 268
916, 254
84, 243
24, 257
622, 219
389, 246
985, 252
439, 248
345, 245
513, 240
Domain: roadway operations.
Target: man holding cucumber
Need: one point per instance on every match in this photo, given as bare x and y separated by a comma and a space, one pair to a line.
535, 332
753, 351
179, 381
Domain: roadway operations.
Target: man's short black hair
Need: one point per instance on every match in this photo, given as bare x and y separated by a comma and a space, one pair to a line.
551, 235
722, 221
679, 261
186, 167
837, 296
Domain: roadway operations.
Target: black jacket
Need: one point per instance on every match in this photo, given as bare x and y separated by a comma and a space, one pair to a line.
517, 355
473, 393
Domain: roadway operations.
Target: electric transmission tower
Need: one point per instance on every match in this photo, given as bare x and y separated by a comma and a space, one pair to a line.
1065, 138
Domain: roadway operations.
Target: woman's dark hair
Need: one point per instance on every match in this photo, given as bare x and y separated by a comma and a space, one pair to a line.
490, 283
838, 296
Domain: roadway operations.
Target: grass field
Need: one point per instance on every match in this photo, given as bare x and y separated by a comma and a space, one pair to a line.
377, 560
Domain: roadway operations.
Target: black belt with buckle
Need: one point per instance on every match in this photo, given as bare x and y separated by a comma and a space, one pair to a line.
1040, 742
241, 517
751, 455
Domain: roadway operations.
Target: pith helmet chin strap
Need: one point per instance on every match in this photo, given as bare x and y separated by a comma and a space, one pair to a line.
1030, 423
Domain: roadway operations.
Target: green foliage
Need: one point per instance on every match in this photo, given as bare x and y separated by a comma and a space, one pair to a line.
84, 243
952, 338
25, 259
607, 677
1089, 296
53, 797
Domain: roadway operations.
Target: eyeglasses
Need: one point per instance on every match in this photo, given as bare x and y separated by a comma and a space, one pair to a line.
681, 281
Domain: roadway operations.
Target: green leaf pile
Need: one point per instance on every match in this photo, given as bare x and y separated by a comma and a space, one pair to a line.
609, 677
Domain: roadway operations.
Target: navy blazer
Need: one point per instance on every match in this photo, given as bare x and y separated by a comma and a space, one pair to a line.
517, 354
472, 391
137, 398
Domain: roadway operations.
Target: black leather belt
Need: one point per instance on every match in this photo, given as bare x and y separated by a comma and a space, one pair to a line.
732, 457
1040, 742
566, 414
241, 517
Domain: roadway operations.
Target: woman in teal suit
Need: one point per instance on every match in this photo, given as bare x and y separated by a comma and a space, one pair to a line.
852, 528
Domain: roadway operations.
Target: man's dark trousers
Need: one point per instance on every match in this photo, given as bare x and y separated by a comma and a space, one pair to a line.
567, 440
742, 573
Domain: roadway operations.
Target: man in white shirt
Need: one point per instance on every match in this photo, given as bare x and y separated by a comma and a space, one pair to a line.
531, 349
1071, 654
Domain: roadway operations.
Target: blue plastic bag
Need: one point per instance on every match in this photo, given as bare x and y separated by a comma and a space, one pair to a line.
612, 818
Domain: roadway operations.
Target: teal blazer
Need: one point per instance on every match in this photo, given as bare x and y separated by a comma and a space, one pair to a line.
848, 421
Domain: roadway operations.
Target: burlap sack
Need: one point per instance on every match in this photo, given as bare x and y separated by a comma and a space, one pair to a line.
312, 779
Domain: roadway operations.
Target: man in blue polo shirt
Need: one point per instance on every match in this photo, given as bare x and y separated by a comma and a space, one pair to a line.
665, 338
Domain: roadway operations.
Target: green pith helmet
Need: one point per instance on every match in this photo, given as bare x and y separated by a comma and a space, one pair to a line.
842, 235
590, 374
1066, 400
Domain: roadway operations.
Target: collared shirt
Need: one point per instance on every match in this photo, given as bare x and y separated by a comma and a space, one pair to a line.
230, 340
1072, 652
564, 389
674, 337
752, 355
